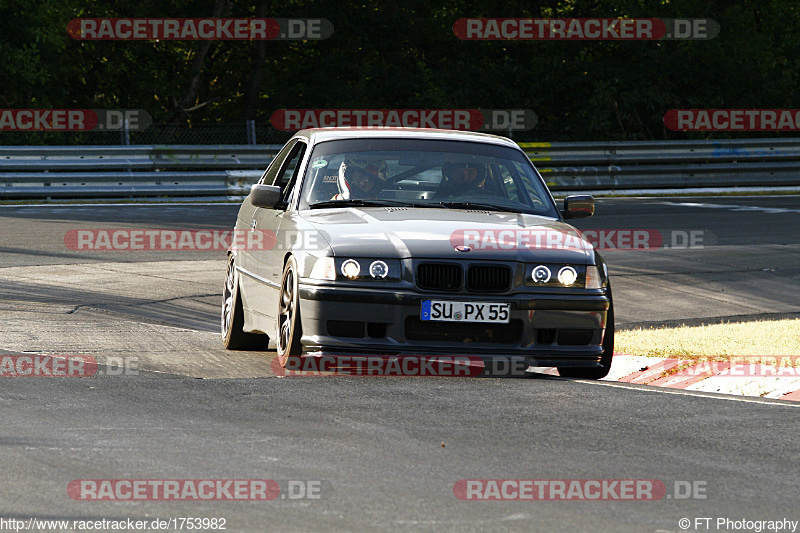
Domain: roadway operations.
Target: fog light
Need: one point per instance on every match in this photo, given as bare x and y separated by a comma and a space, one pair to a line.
567, 275
351, 269
541, 274
378, 269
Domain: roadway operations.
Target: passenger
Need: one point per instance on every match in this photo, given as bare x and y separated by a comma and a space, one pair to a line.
462, 178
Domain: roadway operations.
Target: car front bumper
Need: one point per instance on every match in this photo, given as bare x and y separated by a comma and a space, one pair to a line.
545, 329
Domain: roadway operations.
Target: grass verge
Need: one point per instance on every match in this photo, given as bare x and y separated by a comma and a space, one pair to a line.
715, 341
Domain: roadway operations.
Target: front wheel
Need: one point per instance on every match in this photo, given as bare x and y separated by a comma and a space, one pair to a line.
608, 352
289, 327
233, 336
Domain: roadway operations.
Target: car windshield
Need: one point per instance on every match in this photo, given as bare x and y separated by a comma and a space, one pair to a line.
423, 173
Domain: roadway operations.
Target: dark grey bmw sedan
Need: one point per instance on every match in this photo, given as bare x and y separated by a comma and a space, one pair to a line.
415, 241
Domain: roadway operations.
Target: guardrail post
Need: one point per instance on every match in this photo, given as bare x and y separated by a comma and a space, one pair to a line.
251, 131
126, 134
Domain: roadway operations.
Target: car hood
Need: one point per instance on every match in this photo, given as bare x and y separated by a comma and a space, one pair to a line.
402, 232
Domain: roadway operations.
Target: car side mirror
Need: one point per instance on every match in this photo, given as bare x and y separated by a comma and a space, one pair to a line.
265, 195
578, 206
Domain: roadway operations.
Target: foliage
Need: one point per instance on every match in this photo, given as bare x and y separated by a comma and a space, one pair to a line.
403, 54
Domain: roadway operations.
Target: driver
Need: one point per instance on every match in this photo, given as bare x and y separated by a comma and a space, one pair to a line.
360, 179
463, 176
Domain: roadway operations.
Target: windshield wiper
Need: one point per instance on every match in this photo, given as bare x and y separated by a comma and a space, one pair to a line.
359, 203
475, 205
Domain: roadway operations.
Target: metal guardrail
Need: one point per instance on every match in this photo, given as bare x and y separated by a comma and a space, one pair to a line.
667, 164
222, 170
130, 171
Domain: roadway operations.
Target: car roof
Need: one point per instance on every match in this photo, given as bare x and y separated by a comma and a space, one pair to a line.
316, 135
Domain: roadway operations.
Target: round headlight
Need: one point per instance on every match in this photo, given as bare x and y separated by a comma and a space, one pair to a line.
567, 275
351, 269
378, 269
541, 274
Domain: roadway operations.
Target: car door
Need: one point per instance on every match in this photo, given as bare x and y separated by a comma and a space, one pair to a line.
267, 263
244, 225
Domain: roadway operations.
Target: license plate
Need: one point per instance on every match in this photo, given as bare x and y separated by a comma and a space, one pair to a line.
449, 311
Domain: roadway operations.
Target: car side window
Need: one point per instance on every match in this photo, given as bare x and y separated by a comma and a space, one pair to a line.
525, 188
272, 170
508, 183
288, 173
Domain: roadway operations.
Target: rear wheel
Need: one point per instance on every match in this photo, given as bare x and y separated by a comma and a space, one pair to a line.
289, 327
233, 336
608, 352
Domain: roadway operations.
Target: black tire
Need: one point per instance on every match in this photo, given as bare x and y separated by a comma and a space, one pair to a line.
289, 326
233, 336
605, 360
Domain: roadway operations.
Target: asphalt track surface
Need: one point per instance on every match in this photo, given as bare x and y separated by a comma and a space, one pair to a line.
387, 452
